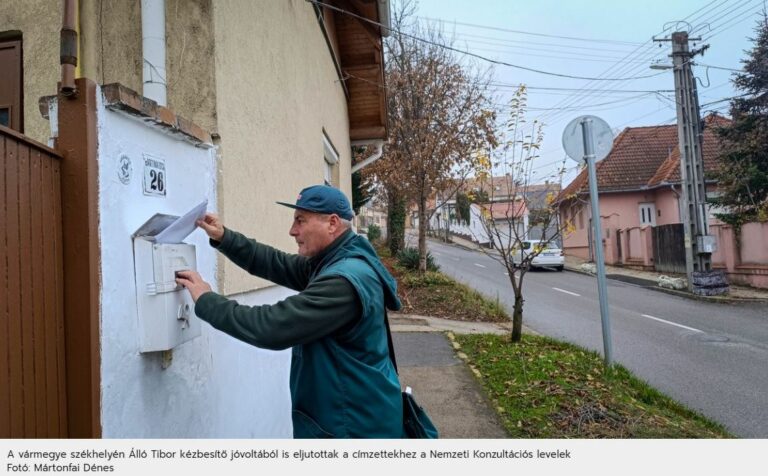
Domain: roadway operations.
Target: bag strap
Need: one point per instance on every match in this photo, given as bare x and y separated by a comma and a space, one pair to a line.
389, 341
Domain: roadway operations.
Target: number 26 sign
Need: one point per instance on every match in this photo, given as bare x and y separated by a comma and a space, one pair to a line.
154, 176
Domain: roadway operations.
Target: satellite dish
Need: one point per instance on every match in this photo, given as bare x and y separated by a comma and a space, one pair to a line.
573, 139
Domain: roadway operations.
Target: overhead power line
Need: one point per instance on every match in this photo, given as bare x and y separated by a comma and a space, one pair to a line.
507, 41
509, 48
474, 55
735, 21
703, 14
739, 96
521, 32
567, 58
543, 88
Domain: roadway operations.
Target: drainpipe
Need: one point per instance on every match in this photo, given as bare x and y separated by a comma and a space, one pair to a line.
677, 196
68, 50
379, 144
153, 50
384, 17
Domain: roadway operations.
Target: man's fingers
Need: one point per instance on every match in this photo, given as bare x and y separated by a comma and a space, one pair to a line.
187, 277
212, 226
205, 226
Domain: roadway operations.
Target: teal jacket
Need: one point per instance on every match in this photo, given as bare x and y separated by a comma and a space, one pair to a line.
343, 383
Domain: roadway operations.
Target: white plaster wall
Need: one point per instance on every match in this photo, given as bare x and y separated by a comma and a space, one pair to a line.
277, 90
476, 226
501, 231
216, 386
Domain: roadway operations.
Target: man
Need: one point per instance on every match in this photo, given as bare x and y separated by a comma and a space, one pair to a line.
343, 383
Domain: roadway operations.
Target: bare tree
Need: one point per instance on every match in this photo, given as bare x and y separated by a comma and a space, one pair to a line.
439, 114
505, 220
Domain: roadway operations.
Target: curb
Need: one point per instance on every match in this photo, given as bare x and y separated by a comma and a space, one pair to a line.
674, 292
420, 323
462, 246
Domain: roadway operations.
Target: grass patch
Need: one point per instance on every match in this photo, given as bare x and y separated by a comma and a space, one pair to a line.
435, 294
543, 388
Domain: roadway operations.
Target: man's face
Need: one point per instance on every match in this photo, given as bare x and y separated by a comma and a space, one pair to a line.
313, 232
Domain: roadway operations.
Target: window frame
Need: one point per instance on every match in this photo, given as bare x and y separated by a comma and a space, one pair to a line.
16, 105
330, 160
650, 208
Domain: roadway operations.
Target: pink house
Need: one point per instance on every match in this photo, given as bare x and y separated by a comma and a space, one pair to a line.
639, 186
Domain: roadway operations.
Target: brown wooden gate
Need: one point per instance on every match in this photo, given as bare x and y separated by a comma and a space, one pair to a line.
32, 351
669, 248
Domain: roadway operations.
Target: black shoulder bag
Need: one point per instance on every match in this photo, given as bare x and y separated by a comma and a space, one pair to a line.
416, 422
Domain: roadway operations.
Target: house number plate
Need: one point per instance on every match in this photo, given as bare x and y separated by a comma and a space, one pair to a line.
155, 179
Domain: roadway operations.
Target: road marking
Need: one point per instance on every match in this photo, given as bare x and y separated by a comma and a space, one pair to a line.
479, 265
566, 292
671, 323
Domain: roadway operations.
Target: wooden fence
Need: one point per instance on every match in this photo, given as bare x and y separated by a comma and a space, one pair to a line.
32, 374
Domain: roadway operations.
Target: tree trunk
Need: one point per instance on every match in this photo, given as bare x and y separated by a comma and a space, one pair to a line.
517, 317
422, 235
395, 223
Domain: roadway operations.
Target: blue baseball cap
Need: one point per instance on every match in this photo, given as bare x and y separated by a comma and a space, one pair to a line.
323, 199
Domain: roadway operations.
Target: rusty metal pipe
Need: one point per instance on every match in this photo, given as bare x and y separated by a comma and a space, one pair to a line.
68, 52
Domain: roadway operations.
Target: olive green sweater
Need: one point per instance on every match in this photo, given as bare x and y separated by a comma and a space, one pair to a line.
327, 305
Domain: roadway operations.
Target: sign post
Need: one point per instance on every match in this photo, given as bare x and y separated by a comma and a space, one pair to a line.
593, 127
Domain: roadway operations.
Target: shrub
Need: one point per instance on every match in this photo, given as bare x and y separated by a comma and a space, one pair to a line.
374, 232
430, 278
408, 258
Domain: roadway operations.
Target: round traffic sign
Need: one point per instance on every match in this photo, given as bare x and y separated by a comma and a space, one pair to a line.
573, 138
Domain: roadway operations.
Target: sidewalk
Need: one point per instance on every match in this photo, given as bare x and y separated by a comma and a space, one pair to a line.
442, 383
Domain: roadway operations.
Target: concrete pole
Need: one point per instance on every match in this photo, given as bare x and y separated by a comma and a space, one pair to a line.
589, 157
694, 217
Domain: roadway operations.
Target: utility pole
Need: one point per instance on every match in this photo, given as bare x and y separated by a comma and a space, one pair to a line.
699, 244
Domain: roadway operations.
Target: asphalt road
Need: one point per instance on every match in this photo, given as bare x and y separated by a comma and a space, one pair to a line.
711, 357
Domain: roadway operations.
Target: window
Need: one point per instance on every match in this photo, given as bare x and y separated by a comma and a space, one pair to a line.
331, 158
648, 214
11, 97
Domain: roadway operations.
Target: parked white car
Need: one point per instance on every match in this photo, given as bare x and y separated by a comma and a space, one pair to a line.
549, 255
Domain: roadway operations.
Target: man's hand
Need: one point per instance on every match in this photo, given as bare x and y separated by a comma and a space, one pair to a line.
193, 282
212, 225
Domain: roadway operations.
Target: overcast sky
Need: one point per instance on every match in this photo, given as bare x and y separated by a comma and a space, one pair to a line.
621, 48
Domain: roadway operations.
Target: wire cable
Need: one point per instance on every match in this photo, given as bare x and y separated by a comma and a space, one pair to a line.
474, 55
521, 32
704, 13
733, 23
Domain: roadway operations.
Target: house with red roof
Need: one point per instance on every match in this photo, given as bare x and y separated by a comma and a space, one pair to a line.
639, 188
